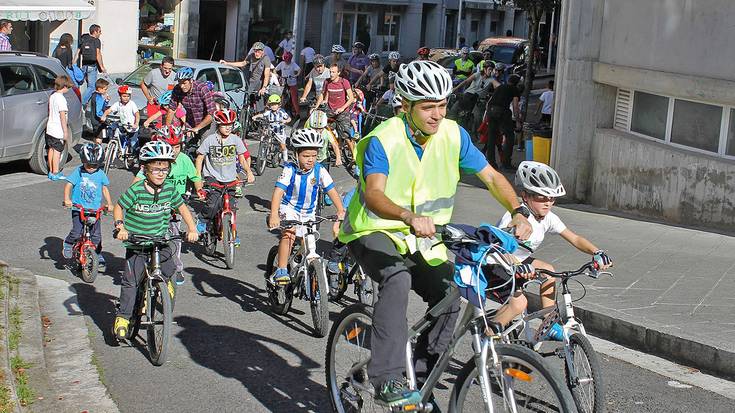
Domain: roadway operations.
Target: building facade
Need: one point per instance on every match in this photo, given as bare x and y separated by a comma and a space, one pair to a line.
645, 119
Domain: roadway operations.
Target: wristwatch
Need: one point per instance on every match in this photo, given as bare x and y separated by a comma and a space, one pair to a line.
523, 210
118, 223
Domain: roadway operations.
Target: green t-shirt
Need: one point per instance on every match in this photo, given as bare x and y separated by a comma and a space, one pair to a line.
182, 169
142, 215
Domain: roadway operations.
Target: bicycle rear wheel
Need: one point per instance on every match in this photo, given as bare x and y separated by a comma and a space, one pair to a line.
90, 268
262, 158
319, 298
279, 297
525, 385
228, 241
364, 287
586, 383
346, 360
159, 327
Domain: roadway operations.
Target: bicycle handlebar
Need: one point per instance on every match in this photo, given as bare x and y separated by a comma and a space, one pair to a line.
87, 211
290, 223
140, 239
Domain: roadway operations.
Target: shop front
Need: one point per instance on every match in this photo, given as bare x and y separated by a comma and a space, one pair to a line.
157, 29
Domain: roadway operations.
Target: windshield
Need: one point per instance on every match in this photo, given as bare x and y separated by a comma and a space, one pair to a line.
503, 54
135, 78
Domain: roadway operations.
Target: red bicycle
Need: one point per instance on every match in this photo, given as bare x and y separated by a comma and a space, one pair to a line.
84, 252
223, 227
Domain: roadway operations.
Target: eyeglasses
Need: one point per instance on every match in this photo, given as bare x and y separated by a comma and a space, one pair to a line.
542, 198
160, 171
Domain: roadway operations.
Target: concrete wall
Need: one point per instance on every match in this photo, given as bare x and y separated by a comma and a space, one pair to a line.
119, 40
678, 36
652, 179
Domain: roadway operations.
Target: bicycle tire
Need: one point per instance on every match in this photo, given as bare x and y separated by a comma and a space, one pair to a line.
158, 341
320, 298
245, 118
129, 157
262, 158
280, 298
350, 393
336, 294
228, 241
110, 155
586, 401
365, 295
527, 363
210, 243
90, 270
274, 153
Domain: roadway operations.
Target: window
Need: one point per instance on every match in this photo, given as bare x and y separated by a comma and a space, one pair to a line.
696, 125
209, 74
46, 77
649, 115
17, 80
231, 78
731, 135
389, 28
136, 78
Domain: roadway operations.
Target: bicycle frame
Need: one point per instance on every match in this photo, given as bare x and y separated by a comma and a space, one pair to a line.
307, 244
226, 208
86, 239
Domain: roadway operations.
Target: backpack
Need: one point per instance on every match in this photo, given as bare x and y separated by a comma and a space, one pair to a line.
88, 48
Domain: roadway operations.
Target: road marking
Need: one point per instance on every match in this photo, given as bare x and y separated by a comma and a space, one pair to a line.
679, 374
21, 179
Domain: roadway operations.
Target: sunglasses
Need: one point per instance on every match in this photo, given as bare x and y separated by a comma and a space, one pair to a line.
542, 198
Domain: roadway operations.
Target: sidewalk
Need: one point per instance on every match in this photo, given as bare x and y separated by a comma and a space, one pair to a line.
673, 294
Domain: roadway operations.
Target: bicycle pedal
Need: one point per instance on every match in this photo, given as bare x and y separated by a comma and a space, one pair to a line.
416, 407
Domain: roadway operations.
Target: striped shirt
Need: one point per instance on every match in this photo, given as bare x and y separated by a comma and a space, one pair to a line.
275, 120
145, 217
302, 188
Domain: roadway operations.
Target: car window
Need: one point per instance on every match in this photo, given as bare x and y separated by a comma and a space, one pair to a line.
17, 80
503, 54
45, 77
230, 78
136, 78
209, 74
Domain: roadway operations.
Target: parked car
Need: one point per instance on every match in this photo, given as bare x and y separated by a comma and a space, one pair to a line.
508, 50
26, 82
227, 79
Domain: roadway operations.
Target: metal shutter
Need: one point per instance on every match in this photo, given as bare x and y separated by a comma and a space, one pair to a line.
623, 108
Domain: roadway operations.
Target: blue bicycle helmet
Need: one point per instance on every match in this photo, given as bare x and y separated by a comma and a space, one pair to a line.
185, 73
165, 98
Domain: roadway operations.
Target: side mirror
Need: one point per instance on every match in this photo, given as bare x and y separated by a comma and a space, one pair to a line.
118, 81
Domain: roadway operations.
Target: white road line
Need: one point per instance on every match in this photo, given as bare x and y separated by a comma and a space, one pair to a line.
666, 368
20, 179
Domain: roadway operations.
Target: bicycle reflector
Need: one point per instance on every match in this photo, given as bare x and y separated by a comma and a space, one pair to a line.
518, 374
353, 333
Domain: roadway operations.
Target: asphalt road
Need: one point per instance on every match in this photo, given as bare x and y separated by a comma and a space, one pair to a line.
229, 352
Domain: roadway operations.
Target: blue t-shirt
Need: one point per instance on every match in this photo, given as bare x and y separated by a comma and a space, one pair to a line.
99, 104
87, 187
471, 160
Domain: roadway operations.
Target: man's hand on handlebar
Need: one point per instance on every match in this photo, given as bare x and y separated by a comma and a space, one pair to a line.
421, 226
524, 271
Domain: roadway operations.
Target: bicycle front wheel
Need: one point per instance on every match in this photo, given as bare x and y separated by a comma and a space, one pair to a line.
110, 154
159, 324
91, 264
319, 298
585, 376
228, 240
521, 383
346, 360
262, 158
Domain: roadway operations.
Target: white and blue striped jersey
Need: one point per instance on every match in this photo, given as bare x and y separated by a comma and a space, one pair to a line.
302, 188
275, 120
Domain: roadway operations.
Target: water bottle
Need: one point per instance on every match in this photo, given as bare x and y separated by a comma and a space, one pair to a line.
556, 332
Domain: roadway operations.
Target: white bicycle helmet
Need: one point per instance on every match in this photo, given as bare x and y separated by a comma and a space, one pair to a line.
539, 178
307, 138
423, 80
156, 151
394, 56
396, 102
337, 48
318, 119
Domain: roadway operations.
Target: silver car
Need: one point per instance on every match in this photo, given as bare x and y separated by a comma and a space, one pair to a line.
226, 79
26, 82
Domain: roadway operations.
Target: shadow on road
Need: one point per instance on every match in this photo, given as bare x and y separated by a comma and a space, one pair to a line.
279, 384
256, 201
100, 307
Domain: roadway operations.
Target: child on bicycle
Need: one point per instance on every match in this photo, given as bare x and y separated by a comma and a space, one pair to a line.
356, 111
277, 118
318, 121
129, 116
540, 188
217, 158
157, 113
86, 186
295, 196
99, 103
145, 209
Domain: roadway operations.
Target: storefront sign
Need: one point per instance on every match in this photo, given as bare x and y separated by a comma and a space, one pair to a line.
41, 15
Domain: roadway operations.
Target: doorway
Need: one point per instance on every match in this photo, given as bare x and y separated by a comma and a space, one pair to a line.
211, 30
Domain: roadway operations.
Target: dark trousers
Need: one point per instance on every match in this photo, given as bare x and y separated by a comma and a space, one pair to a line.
396, 275
77, 229
343, 124
135, 264
503, 124
214, 202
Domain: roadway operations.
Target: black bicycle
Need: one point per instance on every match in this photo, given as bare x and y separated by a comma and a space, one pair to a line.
250, 108
155, 300
269, 150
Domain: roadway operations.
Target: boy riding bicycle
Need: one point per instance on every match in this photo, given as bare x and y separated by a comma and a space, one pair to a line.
318, 122
129, 116
295, 196
86, 186
217, 158
145, 209
540, 188
277, 118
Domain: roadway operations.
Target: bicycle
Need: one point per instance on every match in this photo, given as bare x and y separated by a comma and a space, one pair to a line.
582, 368
84, 252
223, 227
308, 277
350, 272
249, 108
119, 146
154, 302
509, 377
269, 151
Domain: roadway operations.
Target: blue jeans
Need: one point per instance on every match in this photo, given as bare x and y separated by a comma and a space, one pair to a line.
90, 75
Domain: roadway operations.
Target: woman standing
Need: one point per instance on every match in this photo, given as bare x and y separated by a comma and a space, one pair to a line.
63, 51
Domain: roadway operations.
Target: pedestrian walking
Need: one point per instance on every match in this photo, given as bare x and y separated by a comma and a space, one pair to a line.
6, 28
90, 52
307, 57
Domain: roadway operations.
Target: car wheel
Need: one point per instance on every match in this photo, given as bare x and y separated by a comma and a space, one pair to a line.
38, 161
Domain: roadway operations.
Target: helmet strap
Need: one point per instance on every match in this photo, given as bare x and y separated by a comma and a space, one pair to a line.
416, 132
156, 189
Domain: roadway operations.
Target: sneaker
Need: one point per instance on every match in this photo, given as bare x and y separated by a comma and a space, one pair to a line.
394, 393
51, 176
60, 177
238, 191
179, 278
333, 267
67, 252
237, 241
554, 333
201, 226
101, 260
327, 200
281, 276
120, 329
